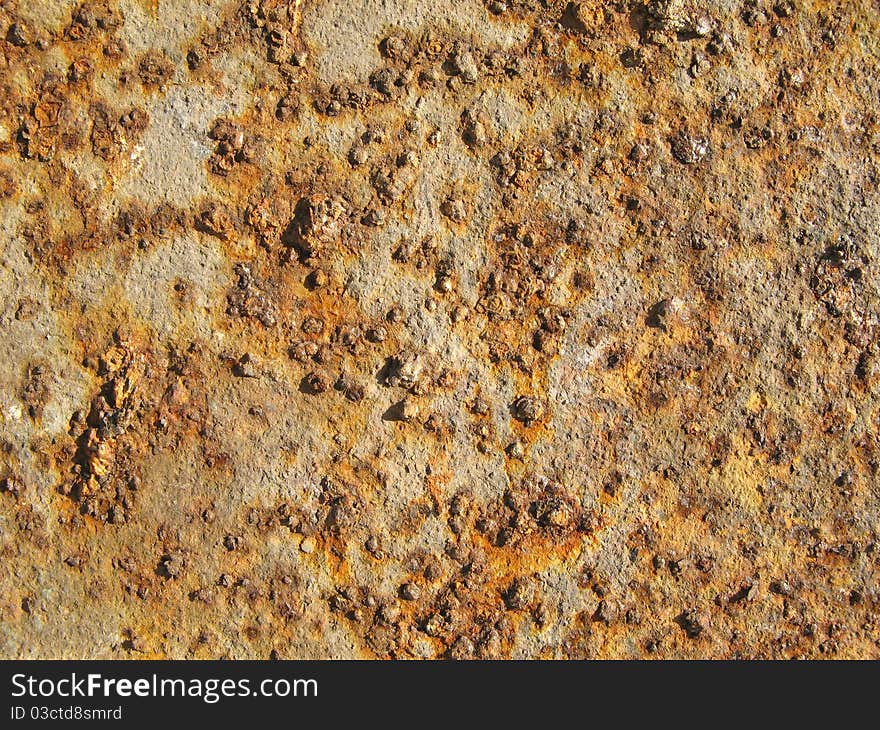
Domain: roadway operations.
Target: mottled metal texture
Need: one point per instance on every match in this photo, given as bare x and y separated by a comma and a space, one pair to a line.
412, 328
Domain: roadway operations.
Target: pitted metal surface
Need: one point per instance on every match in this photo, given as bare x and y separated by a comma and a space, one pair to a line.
450, 329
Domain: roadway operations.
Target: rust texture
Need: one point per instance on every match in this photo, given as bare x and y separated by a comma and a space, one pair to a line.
408, 329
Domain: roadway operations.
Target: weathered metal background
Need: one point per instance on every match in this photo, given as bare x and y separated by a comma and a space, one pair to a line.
419, 329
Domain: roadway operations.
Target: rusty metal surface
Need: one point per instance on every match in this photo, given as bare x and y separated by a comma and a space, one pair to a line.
439, 329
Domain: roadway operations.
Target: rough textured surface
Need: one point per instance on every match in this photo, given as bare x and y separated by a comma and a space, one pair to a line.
418, 329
